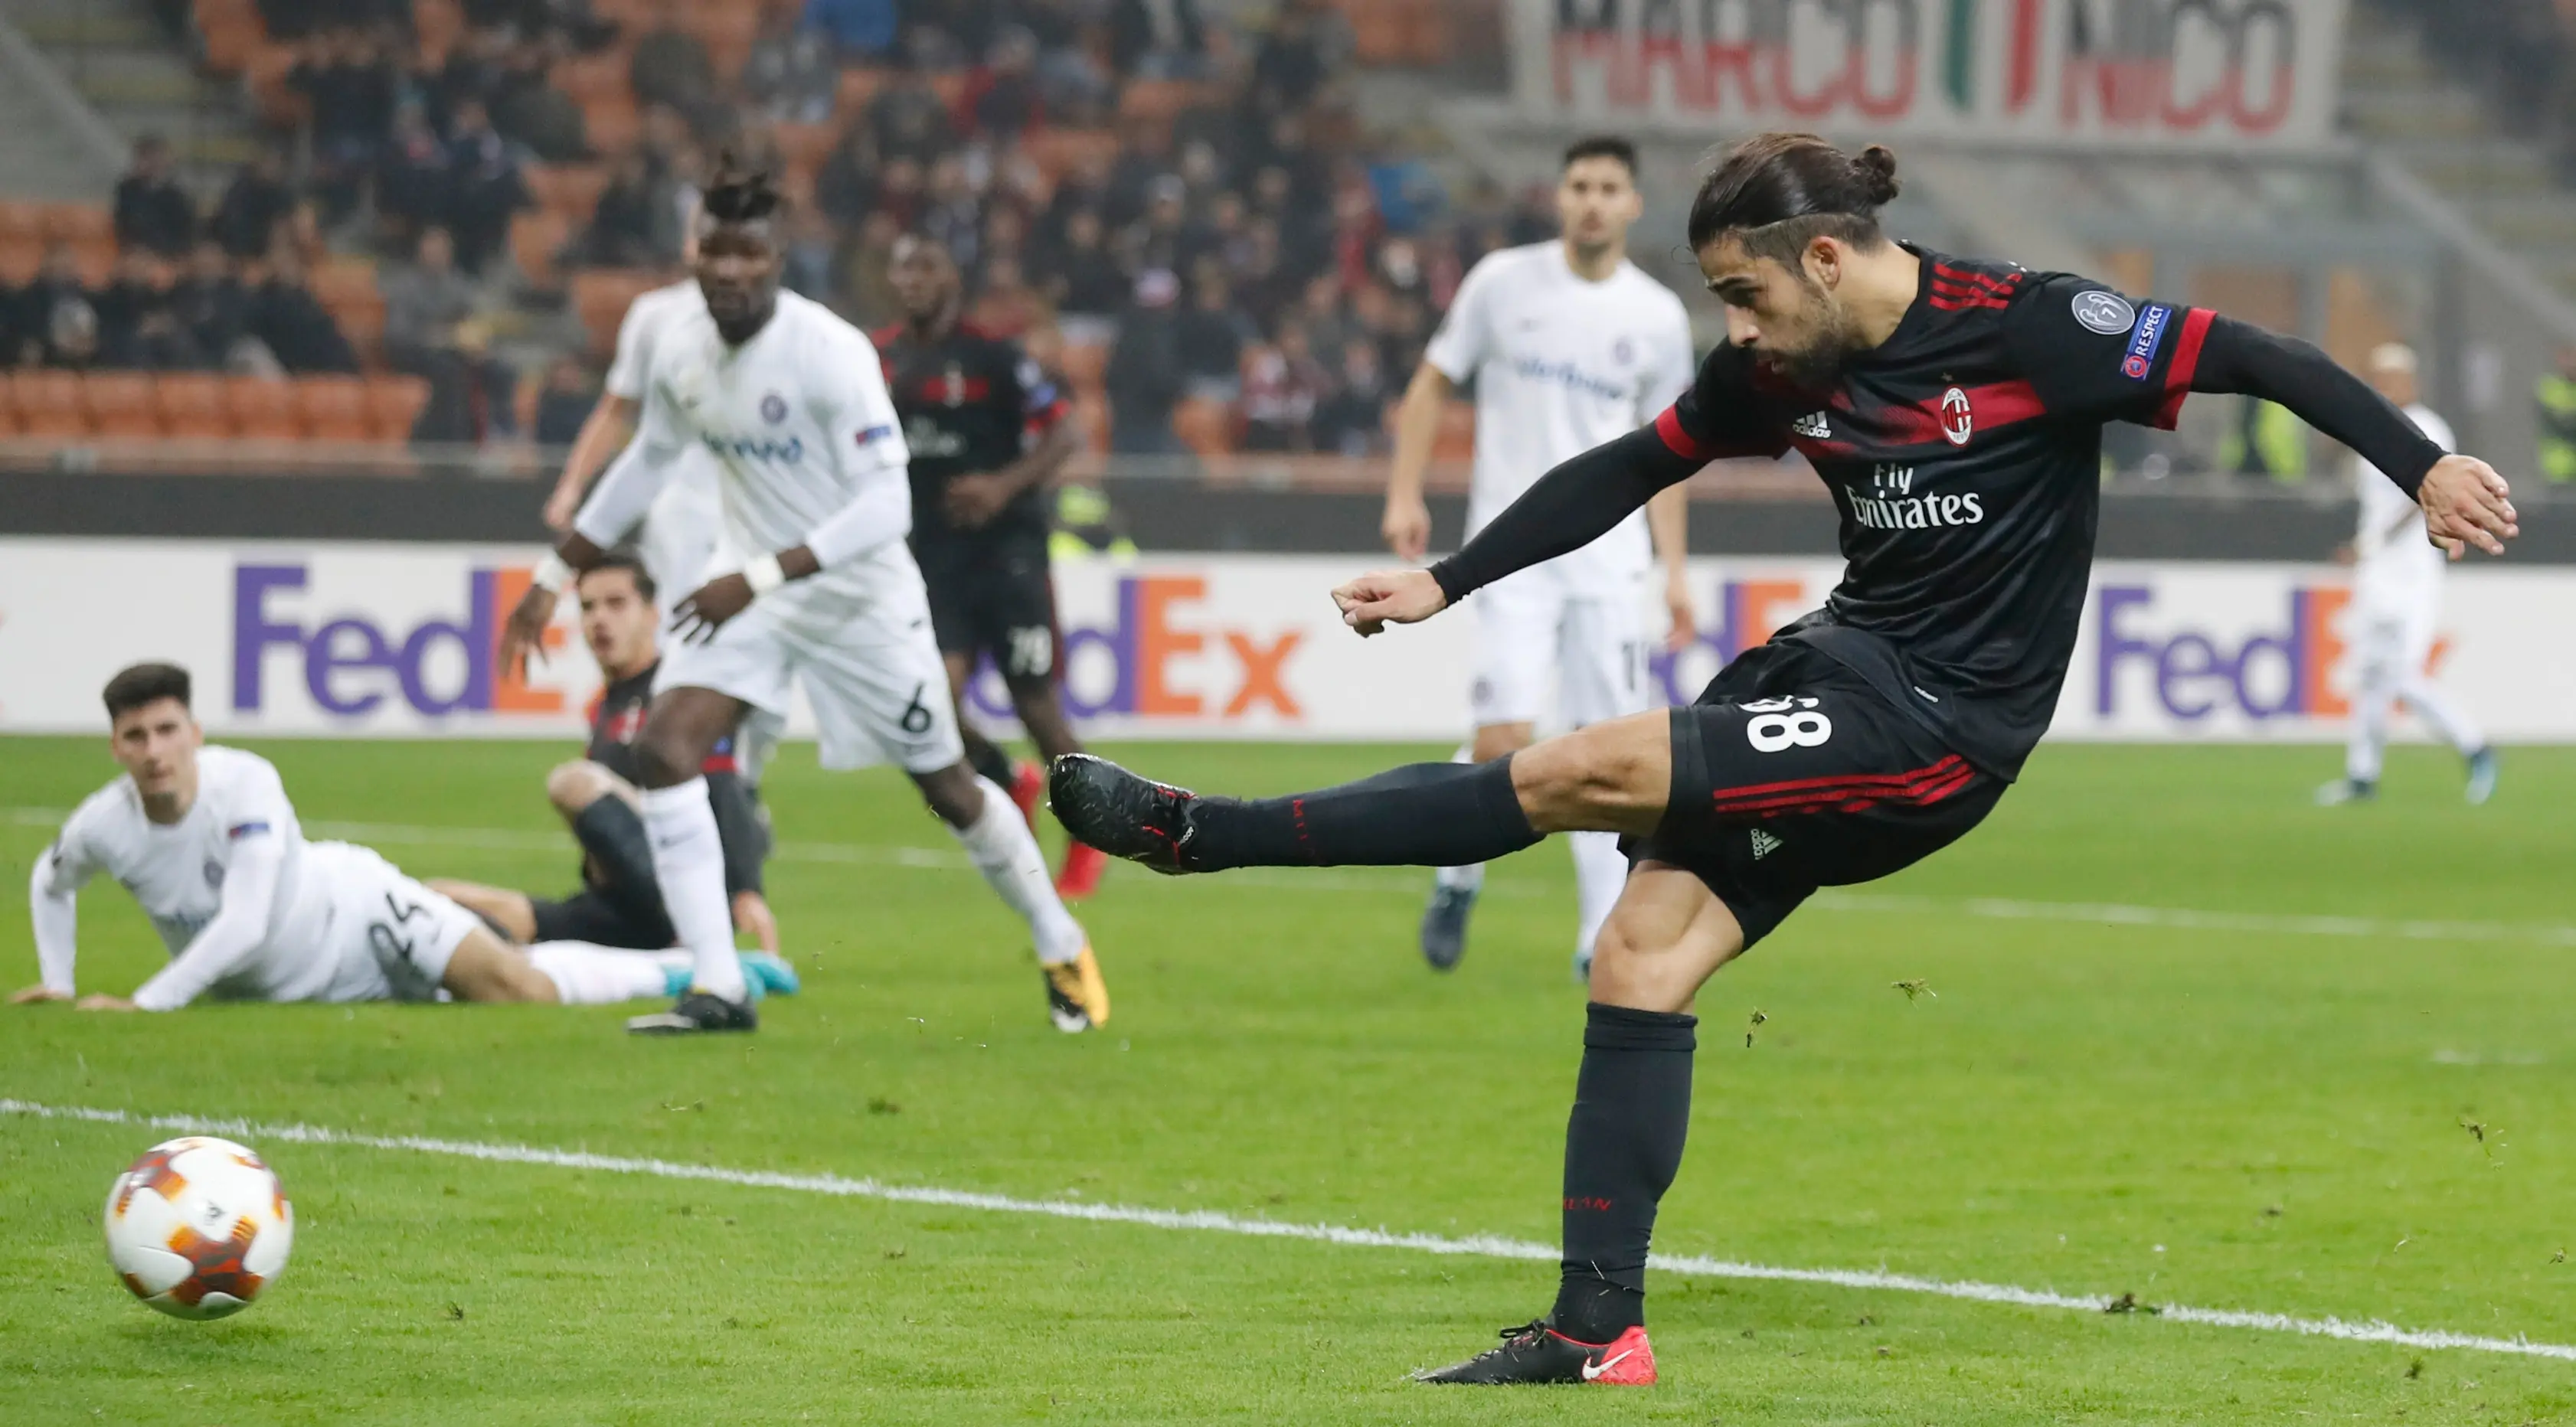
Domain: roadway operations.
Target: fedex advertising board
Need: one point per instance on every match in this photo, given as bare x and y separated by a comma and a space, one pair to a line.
396, 640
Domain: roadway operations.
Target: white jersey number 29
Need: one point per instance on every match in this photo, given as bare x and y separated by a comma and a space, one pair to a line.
1785, 723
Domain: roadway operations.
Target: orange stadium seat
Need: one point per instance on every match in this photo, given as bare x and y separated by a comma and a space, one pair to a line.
19, 259
280, 105
96, 257
22, 220
233, 31
193, 407
439, 24
611, 126
77, 222
1426, 34
1157, 100
804, 147
263, 409
535, 238
347, 290
570, 189
601, 296
728, 32
858, 86
1205, 425
1058, 152
592, 79
334, 408
121, 405
394, 404
49, 404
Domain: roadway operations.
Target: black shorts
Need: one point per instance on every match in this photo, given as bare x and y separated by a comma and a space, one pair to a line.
592, 915
1792, 773
991, 594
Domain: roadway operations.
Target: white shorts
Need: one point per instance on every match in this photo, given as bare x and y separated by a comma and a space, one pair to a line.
870, 667
1531, 634
388, 938
2393, 632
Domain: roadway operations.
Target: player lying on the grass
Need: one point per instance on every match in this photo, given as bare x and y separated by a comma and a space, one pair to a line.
208, 844
821, 591
618, 904
986, 431
1955, 410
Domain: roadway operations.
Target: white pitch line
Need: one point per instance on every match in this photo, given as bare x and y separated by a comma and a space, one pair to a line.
1209, 1221
1405, 882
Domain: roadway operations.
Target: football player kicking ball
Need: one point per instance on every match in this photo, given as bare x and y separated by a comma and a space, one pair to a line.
792, 402
205, 839
1955, 410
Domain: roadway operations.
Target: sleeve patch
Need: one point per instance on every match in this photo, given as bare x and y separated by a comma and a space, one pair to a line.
2144, 339
238, 831
2105, 312
874, 434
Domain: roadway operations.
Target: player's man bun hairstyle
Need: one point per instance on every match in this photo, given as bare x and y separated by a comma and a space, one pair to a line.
739, 193
1778, 192
139, 685
632, 564
1600, 146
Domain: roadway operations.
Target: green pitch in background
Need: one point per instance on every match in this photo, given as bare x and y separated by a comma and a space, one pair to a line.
2308, 1118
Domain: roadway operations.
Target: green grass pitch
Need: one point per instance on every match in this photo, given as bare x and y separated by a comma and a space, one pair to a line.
2250, 1113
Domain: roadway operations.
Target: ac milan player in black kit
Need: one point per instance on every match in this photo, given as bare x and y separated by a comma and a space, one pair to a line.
1954, 408
987, 433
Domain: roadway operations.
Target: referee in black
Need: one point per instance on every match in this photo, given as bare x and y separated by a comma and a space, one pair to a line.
1954, 408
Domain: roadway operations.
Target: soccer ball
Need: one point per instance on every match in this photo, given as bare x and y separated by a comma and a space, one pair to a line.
198, 1227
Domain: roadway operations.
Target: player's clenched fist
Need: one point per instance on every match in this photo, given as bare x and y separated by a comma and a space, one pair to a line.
1374, 601
2466, 503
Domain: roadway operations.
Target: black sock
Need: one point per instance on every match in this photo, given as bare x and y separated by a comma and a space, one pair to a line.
1623, 1144
1420, 815
613, 834
987, 758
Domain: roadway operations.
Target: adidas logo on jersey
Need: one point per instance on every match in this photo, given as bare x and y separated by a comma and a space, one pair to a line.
1812, 425
1764, 844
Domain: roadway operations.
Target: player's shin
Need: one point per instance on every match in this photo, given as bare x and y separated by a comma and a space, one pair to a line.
1420, 815
586, 975
1623, 1144
612, 833
688, 863
1007, 853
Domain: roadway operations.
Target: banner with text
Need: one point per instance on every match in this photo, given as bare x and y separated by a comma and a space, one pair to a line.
356, 640
2203, 74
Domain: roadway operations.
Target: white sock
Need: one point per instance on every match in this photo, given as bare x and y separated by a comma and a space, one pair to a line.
688, 862
2370, 701
1599, 872
1006, 852
588, 975
1470, 878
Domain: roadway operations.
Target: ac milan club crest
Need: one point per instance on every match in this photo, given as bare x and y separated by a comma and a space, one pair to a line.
1957, 421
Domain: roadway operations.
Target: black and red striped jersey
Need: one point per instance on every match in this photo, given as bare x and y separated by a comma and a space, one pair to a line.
1965, 456
970, 401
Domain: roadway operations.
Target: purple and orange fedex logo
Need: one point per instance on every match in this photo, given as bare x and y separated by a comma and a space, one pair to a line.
1156, 645
354, 665
2276, 670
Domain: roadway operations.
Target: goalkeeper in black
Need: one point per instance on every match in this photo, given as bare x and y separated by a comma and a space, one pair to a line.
1955, 409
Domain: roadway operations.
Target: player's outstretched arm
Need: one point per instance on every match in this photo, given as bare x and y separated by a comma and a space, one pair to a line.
603, 434
1407, 522
53, 907
2465, 501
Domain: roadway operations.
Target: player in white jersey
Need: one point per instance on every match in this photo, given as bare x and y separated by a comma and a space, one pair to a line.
677, 539
2397, 599
821, 590
205, 839
1570, 346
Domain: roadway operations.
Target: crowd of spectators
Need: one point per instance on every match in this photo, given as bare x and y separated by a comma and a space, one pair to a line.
1234, 245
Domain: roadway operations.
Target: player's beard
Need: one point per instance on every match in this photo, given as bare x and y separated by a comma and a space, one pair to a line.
1833, 338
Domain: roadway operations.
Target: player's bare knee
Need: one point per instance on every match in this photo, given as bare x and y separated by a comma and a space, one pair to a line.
576, 784
1610, 777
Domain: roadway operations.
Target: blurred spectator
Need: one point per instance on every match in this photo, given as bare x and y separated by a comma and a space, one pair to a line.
1083, 278
1282, 386
671, 66
294, 325
907, 121
434, 328
1144, 160
807, 255
211, 304
564, 404
846, 187
44, 305
857, 28
1157, 39
1210, 336
1156, 239
866, 277
1352, 418
246, 218
152, 211
1145, 376
1326, 318
351, 86
1289, 67
626, 228
950, 214
488, 187
1264, 288
792, 75
71, 336
1006, 306
411, 181
289, 20
474, 71
136, 327
529, 111
1002, 93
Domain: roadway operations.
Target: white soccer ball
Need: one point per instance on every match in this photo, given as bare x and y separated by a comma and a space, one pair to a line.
198, 1227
